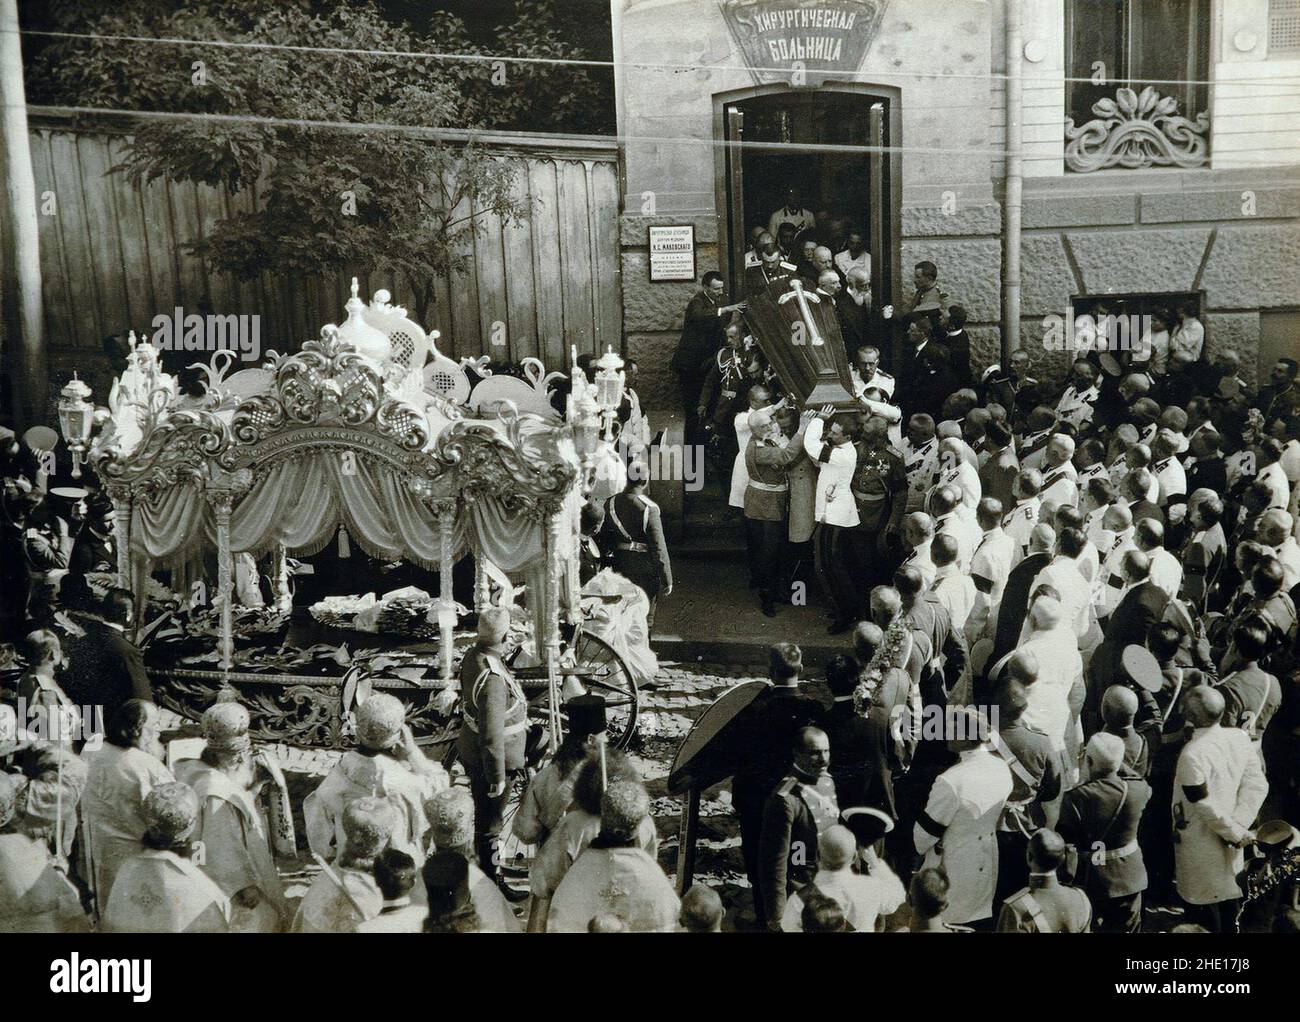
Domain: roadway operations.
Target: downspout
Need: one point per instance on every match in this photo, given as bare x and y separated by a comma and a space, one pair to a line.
21, 319
1011, 200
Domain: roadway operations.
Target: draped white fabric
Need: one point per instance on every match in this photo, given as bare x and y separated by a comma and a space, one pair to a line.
300, 503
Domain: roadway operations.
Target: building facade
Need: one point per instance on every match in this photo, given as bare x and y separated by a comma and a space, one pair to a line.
1160, 146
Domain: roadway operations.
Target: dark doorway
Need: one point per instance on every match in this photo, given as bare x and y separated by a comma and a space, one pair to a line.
828, 145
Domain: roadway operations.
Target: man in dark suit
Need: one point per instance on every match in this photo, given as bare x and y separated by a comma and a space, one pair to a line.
800, 805
1015, 596
105, 668
1137, 488
1210, 470
1142, 606
702, 332
764, 737
998, 473
957, 341
1100, 819
863, 764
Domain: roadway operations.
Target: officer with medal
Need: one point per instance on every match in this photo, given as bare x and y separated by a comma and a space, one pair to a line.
879, 488
493, 735
802, 804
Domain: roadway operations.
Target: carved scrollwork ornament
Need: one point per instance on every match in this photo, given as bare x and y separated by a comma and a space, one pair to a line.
1136, 130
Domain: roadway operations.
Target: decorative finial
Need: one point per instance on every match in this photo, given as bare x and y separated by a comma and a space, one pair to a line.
356, 288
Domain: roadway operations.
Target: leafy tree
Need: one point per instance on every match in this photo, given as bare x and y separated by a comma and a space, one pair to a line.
347, 148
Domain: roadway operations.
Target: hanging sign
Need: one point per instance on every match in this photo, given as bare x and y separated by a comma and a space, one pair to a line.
799, 42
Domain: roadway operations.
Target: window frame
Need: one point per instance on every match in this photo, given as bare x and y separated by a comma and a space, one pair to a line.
1200, 38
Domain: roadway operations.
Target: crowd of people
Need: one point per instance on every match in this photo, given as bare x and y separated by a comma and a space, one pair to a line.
1091, 587
1068, 701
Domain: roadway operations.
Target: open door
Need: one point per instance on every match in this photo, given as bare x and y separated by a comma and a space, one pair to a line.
737, 241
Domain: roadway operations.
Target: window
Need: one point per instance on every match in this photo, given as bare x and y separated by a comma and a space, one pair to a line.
1164, 42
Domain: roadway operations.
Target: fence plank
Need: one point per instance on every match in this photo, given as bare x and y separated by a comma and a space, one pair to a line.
575, 256
554, 353
517, 239
112, 257
132, 239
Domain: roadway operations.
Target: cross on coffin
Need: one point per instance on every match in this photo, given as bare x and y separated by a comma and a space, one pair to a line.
799, 333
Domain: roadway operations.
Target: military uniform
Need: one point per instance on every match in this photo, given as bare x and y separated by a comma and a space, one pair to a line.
1100, 818
764, 736
1031, 448
492, 741
1019, 523
787, 847
879, 487
1036, 771
766, 507
1046, 906
757, 278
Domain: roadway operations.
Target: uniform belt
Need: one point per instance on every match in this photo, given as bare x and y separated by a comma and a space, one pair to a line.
509, 729
1118, 853
729, 393
636, 548
769, 487
873, 498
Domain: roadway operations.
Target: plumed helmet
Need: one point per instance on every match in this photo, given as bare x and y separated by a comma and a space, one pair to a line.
379, 721
225, 726
367, 825
624, 805
170, 811
451, 818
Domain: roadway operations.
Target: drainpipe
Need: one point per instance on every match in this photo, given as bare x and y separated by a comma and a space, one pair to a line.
21, 322
1011, 201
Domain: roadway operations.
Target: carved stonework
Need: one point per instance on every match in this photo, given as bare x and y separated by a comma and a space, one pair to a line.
1136, 130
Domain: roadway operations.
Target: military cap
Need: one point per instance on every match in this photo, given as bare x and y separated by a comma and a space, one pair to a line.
367, 825
868, 824
170, 811
451, 818
586, 715
1141, 667
225, 726
1277, 834
379, 721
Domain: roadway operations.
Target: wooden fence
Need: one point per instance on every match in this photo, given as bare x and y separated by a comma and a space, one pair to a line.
112, 258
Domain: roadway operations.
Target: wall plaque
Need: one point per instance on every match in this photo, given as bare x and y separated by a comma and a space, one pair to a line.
672, 253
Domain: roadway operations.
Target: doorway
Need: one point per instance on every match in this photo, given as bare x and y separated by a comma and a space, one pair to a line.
829, 145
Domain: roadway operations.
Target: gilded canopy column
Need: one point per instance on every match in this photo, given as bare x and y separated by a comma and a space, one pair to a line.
223, 502
120, 495
446, 512
554, 542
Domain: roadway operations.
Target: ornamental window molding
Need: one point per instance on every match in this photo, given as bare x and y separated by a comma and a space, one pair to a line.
1136, 130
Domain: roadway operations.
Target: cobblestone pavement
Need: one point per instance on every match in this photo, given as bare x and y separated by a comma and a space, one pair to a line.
681, 694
